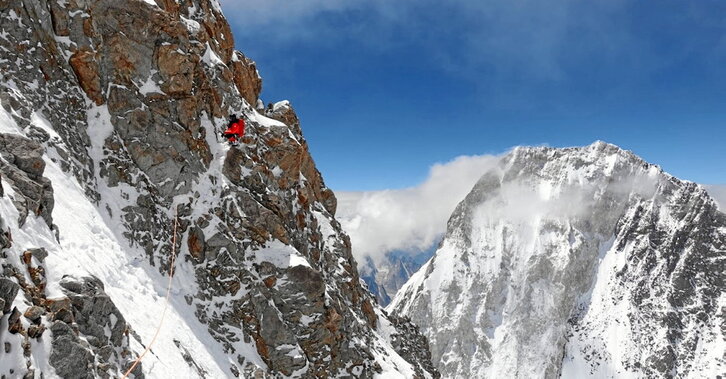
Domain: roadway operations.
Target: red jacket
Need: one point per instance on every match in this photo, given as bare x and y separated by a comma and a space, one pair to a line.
238, 129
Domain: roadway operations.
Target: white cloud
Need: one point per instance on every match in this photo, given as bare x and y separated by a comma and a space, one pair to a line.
719, 194
409, 219
462, 36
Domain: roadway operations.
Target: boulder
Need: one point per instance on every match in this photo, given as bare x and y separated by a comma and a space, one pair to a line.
68, 356
14, 324
8, 291
34, 313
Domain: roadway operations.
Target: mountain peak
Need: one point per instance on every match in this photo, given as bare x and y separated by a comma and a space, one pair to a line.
556, 250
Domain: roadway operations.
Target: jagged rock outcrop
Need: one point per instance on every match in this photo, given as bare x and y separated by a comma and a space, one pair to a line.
22, 168
101, 326
110, 114
88, 335
576, 262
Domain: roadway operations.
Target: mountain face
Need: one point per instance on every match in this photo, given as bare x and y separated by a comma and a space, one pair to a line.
109, 119
579, 262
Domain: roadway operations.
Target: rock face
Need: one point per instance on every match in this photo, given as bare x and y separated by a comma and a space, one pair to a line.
22, 167
109, 119
576, 263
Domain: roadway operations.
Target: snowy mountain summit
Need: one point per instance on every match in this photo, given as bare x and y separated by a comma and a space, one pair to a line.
576, 262
110, 114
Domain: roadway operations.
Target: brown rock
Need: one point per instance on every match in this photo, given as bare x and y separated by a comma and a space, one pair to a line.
285, 114
188, 113
14, 324
88, 27
35, 331
246, 77
196, 243
270, 281
327, 197
34, 313
177, 70
27, 256
262, 347
55, 305
332, 320
370, 314
85, 67
170, 6
125, 56
37, 274
233, 287
60, 309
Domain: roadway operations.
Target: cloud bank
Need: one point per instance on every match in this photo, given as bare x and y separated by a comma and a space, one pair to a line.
410, 219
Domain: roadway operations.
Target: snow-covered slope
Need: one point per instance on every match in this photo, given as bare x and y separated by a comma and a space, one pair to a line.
109, 120
578, 262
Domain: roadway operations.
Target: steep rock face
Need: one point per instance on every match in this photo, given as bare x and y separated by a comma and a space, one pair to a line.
110, 114
576, 262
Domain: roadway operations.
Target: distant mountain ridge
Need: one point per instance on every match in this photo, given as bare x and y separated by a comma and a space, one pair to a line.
386, 277
576, 262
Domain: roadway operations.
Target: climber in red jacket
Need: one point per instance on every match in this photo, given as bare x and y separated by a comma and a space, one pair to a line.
235, 129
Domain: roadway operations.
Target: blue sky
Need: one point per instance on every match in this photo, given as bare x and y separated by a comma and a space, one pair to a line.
385, 89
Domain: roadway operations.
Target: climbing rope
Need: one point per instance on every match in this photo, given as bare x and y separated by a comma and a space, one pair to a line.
166, 304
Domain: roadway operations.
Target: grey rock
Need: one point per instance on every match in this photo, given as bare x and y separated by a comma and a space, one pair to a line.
93, 311
40, 254
6, 238
412, 345
25, 154
68, 357
23, 167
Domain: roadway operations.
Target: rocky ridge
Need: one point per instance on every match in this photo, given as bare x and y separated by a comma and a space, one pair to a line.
579, 262
110, 114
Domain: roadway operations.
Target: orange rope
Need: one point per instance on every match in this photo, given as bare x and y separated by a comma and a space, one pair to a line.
166, 304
